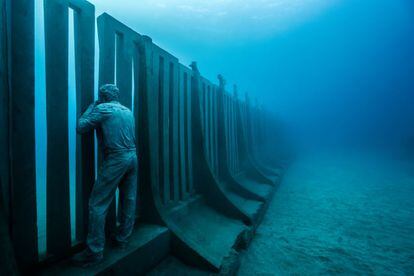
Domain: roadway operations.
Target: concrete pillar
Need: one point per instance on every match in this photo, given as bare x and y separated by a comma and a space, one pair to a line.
188, 131
56, 34
4, 110
174, 129
22, 136
7, 262
85, 67
181, 130
58, 208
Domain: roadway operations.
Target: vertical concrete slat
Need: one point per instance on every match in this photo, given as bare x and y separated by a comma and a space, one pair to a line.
171, 139
138, 105
57, 183
235, 136
206, 117
4, 111
198, 125
211, 128
106, 50
85, 157
142, 120
237, 130
247, 125
227, 106
22, 136
215, 98
254, 128
240, 128
231, 147
156, 130
188, 132
202, 100
207, 122
160, 109
231, 133
234, 132
214, 129
246, 130
214, 110
258, 131
156, 133
163, 129
253, 131
124, 67
221, 138
166, 130
226, 127
149, 88
208, 133
182, 138
176, 129
173, 129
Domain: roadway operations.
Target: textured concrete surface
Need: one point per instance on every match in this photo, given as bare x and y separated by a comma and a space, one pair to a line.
173, 266
136, 259
338, 214
207, 231
260, 189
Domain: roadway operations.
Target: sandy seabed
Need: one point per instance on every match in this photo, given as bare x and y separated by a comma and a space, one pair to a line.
338, 214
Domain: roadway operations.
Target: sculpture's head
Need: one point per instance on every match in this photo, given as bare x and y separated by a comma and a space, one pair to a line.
108, 93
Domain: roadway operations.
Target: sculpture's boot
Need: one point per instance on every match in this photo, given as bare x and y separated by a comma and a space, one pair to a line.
87, 258
116, 243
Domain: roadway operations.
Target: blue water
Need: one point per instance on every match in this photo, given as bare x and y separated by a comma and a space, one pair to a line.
339, 75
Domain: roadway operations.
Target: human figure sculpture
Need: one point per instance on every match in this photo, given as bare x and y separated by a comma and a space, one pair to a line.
222, 81
115, 127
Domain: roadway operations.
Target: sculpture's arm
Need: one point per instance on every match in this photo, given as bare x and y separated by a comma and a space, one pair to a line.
90, 119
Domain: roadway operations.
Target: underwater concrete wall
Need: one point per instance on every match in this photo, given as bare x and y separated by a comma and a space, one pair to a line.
205, 175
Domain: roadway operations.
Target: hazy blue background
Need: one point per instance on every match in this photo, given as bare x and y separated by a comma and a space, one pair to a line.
333, 70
